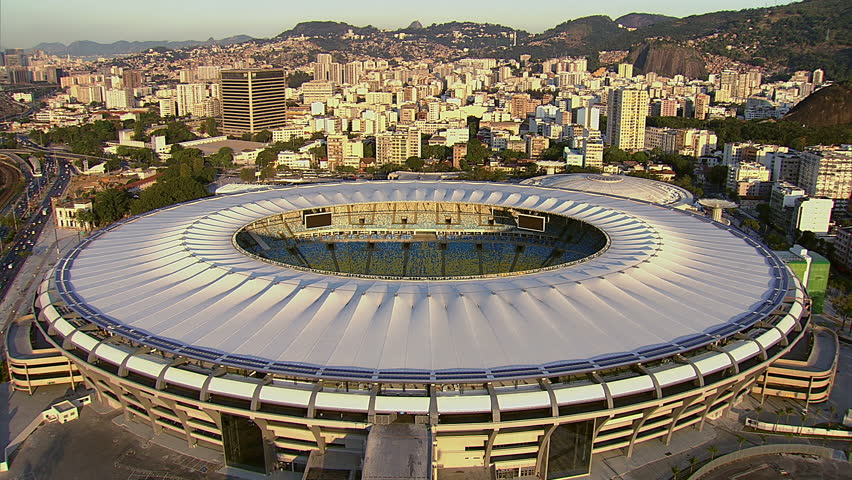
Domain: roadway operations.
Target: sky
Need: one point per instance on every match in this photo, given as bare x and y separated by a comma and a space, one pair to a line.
26, 23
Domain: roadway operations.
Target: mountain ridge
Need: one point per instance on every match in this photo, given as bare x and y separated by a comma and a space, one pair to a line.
88, 48
800, 36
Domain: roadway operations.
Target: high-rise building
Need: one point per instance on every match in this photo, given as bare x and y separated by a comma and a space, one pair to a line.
701, 105
627, 110
744, 176
666, 107
589, 117
188, 95
168, 107
187, 76
735, 152
625, 70
536, 145
88, 93
843, 247
15, 57
397, 147
208, 73
818, 77
694, 142
827, 173
352, 72
344, 152
317, 91
253, 100
119, 98
593, 152
131, 78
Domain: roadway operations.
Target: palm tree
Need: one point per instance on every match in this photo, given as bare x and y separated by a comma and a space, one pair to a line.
787, 412
778, 414
692, 463
757, 410
675, 471
714, 450
740, 441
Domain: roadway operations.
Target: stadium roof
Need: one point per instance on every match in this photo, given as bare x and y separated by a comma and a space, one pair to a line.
173, 279
636, 188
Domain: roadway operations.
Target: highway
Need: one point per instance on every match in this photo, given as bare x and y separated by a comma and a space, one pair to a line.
56, 176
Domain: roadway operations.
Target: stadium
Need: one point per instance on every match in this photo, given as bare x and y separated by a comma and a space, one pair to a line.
513, 329
636, 188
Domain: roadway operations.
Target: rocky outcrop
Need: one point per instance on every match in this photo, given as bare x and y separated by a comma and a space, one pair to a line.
668, 60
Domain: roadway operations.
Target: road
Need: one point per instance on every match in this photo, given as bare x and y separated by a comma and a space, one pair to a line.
39, 191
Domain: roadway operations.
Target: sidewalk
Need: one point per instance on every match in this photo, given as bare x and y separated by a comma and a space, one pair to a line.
44, 256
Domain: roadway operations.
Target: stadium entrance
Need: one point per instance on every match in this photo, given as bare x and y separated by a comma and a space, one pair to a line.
243, 443
570, 450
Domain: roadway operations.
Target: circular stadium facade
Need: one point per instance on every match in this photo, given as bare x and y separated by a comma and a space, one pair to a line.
528, 328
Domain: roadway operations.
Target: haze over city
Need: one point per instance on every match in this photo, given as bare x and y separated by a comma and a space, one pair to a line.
24, 24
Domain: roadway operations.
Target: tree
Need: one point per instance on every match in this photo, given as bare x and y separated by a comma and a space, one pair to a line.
675, 471
269, 171
319, 152
718, 175
139, 132
175, 132
209, 126
266, 157
714, 450
692, 463
641, 157
764, 214
297, 78
112, 165
777, 242
414, 163
476, 152
110, 205
752, 224
843, 306
473, 125
87, 217
509, 154
437, 152
247, 174
740, 441
263, 136
615, 155
223, 158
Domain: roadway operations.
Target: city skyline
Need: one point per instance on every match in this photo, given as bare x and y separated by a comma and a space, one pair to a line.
22, 25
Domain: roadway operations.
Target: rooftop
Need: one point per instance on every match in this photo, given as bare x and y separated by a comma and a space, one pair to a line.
669, 282
635, 188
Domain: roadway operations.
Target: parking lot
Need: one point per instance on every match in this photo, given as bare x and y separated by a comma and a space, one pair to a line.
92, 447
